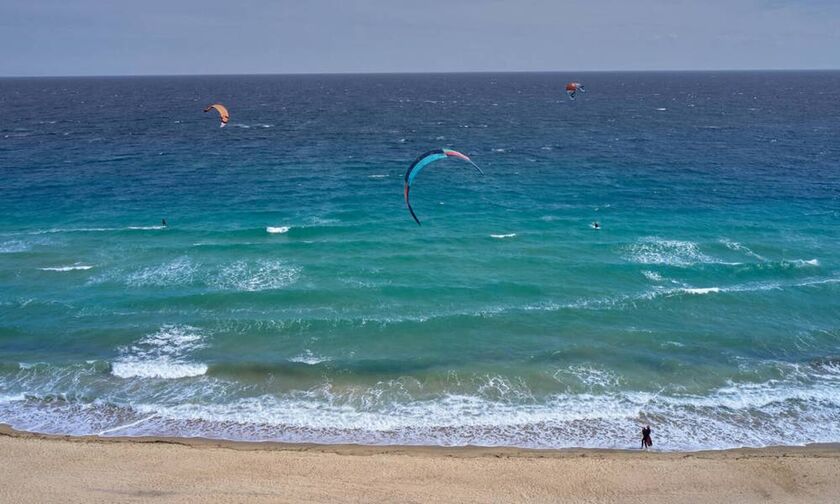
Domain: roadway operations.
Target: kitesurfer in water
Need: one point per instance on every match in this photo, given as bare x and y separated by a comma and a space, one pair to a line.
224, 115
647, 442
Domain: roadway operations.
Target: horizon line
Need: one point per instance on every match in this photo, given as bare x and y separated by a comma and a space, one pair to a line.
468, 72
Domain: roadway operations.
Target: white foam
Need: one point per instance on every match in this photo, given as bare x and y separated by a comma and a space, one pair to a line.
805, 262
652, 276
6, 398
309, 358
237, 276
733, 245
277, 230
179, 271
494, 410
700, 291
747, 287
257, 276
377, 175
654, 250
13, 246
501, 236
97, 229
322, 221
162, 354
79, 267
661, 109
505, 413
821, 281
160, 368
589, 376
125, 426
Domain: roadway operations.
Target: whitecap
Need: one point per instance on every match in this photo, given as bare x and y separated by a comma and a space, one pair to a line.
502, 236
322, 221
78, 267
160, 368
277, 230
309, 358
733, 245
801, 263
163, 354
652, 276
703, 290
97, 229
145, 228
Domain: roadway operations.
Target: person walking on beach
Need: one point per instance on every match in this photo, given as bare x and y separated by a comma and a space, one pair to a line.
647, 442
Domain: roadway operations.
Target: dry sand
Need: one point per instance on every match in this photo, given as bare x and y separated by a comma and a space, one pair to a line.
42, 469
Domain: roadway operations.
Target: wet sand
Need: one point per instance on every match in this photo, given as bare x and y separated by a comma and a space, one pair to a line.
38, 468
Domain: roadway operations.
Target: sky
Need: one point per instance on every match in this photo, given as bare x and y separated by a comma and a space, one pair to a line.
130, 37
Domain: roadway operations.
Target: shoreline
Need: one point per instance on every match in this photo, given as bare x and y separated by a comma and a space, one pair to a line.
811, 450
49, 468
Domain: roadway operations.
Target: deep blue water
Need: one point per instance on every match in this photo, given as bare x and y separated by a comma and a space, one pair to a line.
292, 297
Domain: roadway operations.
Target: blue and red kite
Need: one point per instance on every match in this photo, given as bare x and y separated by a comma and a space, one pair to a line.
423, 161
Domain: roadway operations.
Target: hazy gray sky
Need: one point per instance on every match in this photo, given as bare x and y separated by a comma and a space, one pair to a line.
115, 37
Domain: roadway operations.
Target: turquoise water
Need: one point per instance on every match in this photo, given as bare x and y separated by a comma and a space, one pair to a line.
291, 296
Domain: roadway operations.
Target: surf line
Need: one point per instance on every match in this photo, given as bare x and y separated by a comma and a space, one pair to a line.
121, 427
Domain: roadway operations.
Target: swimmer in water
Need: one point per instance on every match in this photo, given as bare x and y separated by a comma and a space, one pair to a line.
595, 225
163, 222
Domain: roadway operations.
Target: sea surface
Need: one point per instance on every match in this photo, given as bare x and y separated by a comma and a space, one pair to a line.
291, 297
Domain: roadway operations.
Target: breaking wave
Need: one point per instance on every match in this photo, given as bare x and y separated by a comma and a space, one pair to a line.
501, 411
163, 354
78, 267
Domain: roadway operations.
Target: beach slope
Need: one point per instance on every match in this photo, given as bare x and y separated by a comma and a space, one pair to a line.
54, 469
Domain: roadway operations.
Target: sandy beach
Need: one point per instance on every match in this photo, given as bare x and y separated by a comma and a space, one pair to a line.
41, 468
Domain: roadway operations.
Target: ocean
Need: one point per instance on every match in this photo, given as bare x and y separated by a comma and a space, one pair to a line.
292, 298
